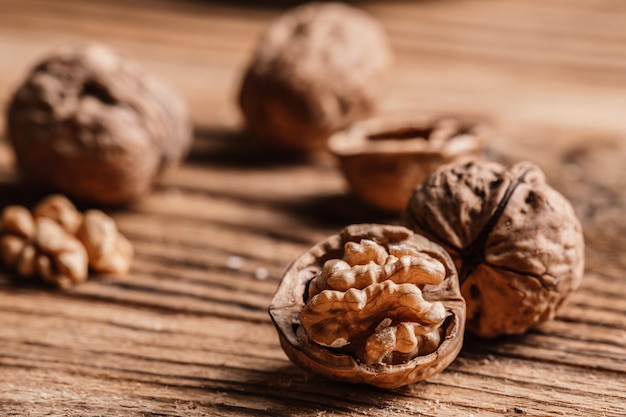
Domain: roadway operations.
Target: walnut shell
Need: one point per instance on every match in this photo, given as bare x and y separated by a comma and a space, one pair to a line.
385, 158
351, 345
317, 69
516, 242
95, 125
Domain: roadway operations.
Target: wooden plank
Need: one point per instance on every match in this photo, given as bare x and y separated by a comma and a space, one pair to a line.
187, 331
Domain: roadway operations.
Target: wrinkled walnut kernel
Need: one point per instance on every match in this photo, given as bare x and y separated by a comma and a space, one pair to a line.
108, 250
61, 210
516, 242
58, 244
374, 304
40, 246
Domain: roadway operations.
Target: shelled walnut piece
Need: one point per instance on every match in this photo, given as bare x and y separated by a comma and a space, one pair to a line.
40, 246
516, 242
108, 250
372, 301
374, 304
58, 244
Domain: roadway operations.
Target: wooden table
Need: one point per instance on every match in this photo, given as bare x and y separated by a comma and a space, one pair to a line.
187, 333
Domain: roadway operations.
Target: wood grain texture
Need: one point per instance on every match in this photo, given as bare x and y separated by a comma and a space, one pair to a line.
187, 333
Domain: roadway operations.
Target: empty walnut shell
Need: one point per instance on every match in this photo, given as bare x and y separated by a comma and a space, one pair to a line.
333, 339
516, 242
317, 69
95, 125
384, 159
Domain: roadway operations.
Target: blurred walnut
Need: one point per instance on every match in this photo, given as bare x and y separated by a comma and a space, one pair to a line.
108, 250
95, 125
374, 304
385, 158
40, 246
317, 69
516, 242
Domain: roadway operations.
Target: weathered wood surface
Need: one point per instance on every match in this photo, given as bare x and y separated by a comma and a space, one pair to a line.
187, 331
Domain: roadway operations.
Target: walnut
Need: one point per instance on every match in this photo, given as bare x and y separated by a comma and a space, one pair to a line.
95, 125
40, 246
58, 243
108, 250
516, 242
317, 69
385, 158
374, 304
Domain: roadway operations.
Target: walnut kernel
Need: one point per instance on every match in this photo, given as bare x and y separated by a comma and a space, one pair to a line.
108, 250
516, 242
58, 208
57, 243
317, 69
95, 125
374, 304
40, 246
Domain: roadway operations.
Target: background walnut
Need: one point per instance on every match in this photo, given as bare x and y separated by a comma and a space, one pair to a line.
317, 69
95, 125
374, 304
385, 158
516, 242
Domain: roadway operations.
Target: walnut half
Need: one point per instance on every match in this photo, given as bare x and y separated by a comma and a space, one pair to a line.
384, 158
375, 304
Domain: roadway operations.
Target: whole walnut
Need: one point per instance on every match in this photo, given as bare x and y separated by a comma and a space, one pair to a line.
317, 69
95, 125
516, 242
375, 304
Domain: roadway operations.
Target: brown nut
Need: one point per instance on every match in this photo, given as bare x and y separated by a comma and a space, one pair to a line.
108, 250
58, 208
95, 125
317, 69
40, 246
384, 159
516, 242
375, 304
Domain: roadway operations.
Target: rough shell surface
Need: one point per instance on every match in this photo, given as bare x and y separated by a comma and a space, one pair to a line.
317, 69
516, 242
383, 159
292, 294
95, 125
